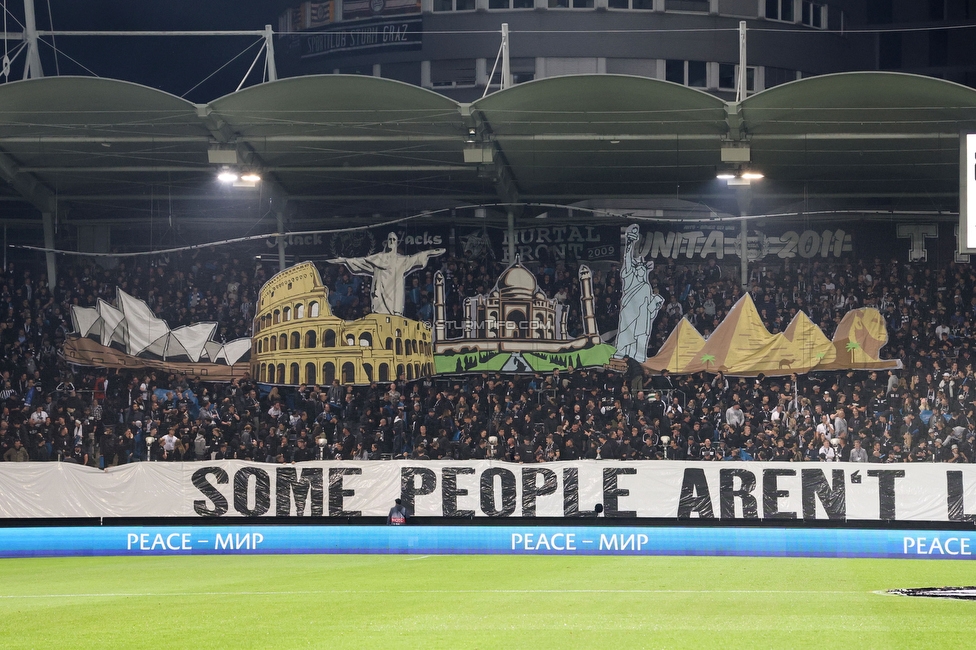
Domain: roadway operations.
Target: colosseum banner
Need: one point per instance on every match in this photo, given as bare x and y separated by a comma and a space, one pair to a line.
919, 492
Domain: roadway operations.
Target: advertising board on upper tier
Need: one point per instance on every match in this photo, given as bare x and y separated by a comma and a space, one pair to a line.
380, 34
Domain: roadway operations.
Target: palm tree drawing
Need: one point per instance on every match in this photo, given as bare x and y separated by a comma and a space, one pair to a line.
708, 358
851, 347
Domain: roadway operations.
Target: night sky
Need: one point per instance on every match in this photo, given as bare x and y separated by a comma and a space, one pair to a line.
168, 63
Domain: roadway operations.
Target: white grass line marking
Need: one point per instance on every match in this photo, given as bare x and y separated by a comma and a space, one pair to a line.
626, 591
425, 591
173, 593
422, 557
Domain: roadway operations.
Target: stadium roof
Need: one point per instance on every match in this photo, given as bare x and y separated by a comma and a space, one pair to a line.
101, 148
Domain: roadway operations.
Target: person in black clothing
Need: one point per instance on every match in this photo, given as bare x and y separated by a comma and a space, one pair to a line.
398, 514
302, 453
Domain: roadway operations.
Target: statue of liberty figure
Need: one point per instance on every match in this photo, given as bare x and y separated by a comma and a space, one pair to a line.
639, 304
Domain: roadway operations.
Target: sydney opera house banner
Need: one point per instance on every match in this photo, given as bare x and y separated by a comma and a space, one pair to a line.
653, 489
515, 326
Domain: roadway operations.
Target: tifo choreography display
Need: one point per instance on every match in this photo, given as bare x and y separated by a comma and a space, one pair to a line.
515, 327
528, 360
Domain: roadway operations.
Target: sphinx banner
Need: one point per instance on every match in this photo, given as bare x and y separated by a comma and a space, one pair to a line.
916, 492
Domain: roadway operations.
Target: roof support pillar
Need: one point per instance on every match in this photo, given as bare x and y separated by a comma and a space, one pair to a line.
744, 253
279, 210
52, 271
511, 235
269, 54
32, 67
743, 196
740, 84
506, 60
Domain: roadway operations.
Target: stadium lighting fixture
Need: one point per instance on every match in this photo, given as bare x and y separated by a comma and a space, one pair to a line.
231, 176
738, 176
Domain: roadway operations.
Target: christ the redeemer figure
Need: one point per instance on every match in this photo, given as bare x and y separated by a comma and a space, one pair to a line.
388, 269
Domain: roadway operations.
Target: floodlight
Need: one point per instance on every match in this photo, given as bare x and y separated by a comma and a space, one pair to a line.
738, 176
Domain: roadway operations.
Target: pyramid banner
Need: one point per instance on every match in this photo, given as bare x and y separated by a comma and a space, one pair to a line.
740, 339
742, 346
810, 346
679, 350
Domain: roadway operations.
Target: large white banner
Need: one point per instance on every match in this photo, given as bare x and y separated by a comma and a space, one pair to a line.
657, 489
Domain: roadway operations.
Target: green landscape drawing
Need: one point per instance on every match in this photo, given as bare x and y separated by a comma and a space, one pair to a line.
598, 355
451, 364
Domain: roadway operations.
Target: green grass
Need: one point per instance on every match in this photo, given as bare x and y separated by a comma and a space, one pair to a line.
478, 602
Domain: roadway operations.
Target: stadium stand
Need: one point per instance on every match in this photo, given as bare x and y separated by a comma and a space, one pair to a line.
922, 413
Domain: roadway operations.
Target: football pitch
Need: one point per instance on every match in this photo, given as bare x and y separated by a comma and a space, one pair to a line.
408, 601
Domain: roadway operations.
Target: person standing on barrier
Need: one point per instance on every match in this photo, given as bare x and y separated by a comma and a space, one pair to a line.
398, 515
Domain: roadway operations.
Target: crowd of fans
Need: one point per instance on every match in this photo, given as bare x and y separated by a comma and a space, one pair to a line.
922, 413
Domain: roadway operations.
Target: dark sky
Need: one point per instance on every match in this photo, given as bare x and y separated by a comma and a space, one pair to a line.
172, 64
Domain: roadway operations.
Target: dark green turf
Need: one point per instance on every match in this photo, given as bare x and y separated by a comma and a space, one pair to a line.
479, 602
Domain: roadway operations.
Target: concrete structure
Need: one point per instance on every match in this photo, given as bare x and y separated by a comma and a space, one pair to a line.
450, 46
80, 156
